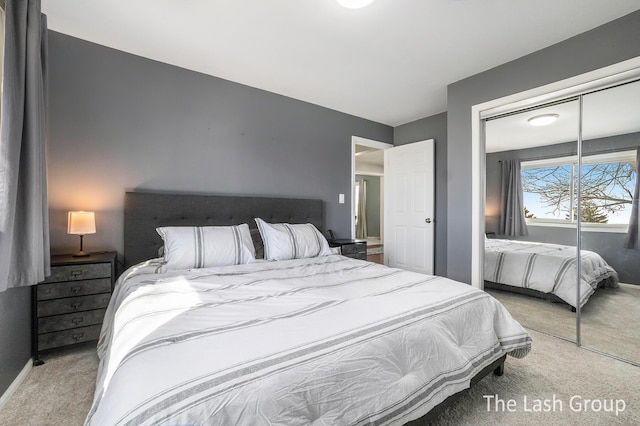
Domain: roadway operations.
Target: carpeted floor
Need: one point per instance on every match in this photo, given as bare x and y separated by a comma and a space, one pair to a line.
554, 367
57, 393
60, 391
605, 319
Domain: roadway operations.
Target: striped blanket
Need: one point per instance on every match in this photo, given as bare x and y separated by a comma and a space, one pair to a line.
548, 268
330, 340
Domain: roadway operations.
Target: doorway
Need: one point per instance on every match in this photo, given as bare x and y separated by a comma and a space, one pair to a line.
367, 205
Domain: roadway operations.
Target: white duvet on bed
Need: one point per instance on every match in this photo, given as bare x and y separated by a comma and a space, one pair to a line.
328, 340
549, 268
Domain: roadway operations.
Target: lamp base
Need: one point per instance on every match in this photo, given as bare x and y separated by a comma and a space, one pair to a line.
81, 253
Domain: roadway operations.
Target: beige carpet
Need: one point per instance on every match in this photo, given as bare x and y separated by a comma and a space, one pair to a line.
605, 319
60, 392
57, 393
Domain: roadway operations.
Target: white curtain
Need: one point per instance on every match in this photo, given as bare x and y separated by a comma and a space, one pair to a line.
24, 218
361, 225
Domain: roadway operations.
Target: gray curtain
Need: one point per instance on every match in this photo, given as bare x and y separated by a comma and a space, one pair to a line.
633, 238
512, 221
24, 218
361, 225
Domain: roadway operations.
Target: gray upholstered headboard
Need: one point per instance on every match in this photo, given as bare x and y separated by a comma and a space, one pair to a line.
146, 211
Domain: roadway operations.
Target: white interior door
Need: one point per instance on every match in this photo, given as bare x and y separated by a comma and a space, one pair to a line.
409, 206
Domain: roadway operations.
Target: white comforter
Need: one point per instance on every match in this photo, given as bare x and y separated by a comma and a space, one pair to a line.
549, 268
329, 340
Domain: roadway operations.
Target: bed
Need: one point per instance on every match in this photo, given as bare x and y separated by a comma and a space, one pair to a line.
545, 270
321, 339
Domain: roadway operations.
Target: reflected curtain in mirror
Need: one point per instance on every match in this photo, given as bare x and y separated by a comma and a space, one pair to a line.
633, 238
512, 222
24, 217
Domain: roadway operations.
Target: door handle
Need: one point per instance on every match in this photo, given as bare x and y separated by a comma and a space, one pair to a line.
428, 220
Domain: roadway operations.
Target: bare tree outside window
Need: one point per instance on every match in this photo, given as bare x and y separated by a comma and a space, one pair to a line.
550, 192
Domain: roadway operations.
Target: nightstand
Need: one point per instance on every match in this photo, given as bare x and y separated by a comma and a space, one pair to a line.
69, 305
356, 249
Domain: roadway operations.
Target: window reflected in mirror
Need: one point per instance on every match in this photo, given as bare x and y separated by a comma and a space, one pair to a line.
561, 218
530, 255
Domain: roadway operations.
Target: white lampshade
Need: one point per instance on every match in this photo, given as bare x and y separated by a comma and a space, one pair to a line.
81, 223
354, 4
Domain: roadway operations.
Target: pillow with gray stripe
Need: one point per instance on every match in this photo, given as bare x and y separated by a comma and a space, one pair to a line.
283, 241
188, 247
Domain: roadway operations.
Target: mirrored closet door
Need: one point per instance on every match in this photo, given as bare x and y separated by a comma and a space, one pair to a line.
531, 235
608, 182
562, 251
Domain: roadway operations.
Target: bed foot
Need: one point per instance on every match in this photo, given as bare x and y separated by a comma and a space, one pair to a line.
499, 371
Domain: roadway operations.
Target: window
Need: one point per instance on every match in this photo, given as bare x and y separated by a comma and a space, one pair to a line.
607, 182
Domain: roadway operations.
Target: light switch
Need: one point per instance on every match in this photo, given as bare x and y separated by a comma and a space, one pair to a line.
341, 198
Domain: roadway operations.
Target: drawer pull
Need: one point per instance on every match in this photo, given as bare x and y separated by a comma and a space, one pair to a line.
77, 320
76, 305
77, 272
76, 289
78, 336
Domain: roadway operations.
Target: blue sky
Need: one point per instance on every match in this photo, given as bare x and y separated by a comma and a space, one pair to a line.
534, 204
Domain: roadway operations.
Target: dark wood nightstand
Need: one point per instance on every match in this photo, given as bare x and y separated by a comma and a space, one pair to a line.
69, 305
356, 249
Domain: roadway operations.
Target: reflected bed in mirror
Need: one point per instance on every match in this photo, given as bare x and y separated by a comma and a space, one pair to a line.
572, 183
547, 271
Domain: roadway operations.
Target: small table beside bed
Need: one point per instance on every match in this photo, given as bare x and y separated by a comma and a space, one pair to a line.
209, 334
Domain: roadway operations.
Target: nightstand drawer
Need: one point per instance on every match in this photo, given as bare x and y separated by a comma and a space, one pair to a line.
72, 304
73, 288
79, 272
68, 337
67, 321
69, 306
353, 249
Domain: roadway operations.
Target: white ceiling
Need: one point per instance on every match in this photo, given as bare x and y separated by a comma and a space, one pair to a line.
389, 62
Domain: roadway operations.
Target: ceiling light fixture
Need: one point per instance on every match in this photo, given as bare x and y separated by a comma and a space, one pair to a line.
354, 4
543, 120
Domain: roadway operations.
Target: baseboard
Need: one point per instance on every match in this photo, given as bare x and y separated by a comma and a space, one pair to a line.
16, 383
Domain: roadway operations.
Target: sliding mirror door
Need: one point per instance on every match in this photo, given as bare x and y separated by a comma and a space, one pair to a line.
530, 250
609, 240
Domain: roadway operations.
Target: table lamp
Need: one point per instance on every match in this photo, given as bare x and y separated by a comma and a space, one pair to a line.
81, 223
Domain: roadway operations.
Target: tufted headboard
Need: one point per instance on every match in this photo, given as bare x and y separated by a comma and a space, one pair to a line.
145, 211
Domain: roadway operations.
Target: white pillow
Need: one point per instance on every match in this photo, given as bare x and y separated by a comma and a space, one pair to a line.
283, 241
187, 247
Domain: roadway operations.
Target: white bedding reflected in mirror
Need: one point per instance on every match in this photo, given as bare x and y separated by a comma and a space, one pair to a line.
611, 138
530, 250
532, 223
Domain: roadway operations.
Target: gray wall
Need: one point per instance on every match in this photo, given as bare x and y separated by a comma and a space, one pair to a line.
608, 44
15, 333
120, 122
610, 245
433, 127
373, 204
